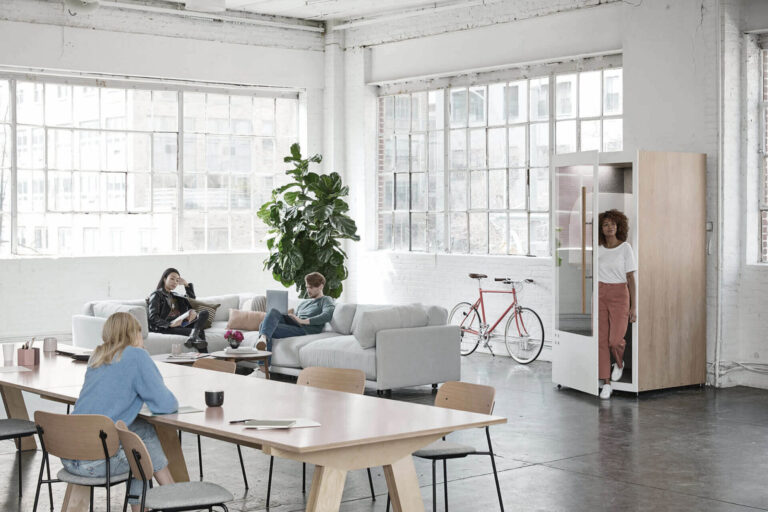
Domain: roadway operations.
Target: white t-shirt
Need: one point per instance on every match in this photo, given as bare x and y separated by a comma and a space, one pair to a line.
614, 264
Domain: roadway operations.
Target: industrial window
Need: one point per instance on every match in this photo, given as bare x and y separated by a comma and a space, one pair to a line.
763, 202
466, 169
136, 168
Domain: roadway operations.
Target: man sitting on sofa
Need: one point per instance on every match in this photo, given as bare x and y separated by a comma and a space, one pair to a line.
311, 315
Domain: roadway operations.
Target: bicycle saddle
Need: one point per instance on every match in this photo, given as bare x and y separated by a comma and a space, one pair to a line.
477, 276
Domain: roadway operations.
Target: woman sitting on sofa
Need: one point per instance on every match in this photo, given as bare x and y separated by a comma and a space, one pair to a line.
171, 313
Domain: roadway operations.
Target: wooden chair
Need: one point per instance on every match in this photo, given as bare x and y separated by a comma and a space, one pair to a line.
334, 379
462, 396
217, 365
16, 429
173, 497
78, 437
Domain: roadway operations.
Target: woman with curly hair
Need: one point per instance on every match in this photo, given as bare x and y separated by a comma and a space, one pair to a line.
616, 295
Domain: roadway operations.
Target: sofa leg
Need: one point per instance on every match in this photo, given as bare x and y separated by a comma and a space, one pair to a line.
384, 393
434, 387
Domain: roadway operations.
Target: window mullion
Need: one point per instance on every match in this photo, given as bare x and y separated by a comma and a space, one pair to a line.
14, 169
446, 171
179, 173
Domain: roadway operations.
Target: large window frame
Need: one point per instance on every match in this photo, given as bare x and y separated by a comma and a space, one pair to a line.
763, 150
417, 207
19, 191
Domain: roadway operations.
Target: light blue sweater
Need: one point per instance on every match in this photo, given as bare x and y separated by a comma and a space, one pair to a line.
119, 389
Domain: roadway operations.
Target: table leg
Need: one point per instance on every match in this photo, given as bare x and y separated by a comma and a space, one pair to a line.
403, 486
169, 440
76, 499
266, 368
327, 488
16, 408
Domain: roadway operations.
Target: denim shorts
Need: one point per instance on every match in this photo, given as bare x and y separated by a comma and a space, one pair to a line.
118, 464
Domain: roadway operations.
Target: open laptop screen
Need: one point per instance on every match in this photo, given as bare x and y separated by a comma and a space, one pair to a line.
277, 299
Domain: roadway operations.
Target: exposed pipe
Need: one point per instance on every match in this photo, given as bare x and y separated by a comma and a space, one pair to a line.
408, 14
209, 16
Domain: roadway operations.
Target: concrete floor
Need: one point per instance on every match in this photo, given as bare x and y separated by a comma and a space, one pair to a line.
691, 449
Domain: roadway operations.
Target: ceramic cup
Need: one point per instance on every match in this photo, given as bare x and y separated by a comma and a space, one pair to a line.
49, 344
214, 398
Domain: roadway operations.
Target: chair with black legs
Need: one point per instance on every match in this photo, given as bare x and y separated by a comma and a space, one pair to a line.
217, 365
334, 379
17, 429
78, 437
172, 497
468, 397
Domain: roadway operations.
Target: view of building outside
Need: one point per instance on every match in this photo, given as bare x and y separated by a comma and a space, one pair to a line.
99, 171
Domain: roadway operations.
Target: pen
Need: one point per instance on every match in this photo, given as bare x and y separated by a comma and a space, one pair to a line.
239, 421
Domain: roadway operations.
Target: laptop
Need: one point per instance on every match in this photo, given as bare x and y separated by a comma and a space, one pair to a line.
277, 299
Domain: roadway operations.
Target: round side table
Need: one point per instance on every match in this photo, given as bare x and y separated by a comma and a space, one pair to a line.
261, 355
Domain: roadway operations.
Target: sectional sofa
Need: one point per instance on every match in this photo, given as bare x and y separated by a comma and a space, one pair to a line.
396, 346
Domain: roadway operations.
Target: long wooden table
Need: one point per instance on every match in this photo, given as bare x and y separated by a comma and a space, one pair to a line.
356, 431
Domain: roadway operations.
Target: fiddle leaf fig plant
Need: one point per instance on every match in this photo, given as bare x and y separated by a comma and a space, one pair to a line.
306, 222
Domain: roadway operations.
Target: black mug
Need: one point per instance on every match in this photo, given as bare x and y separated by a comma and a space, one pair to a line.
214, 398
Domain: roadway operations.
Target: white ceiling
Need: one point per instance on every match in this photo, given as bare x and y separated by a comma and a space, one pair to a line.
343, 10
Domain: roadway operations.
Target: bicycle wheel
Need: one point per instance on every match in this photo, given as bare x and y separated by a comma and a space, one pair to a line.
467, 318
524, 335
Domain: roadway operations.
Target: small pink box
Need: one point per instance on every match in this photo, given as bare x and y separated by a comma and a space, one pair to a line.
28, 356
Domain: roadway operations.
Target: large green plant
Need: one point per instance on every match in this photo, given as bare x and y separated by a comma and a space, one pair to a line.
306, 220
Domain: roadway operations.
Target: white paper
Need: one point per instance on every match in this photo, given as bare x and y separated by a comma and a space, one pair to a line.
11, 369
300, 423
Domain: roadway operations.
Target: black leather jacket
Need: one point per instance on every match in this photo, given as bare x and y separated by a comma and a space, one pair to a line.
159, 306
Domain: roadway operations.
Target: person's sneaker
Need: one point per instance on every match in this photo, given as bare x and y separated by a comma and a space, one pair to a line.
190, 342
262, 343
201, 345
606, 391
617, 372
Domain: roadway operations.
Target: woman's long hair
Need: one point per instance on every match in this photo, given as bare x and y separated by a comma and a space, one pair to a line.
120, 331
166, 273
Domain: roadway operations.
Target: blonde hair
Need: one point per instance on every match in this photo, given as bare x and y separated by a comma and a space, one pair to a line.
120, 331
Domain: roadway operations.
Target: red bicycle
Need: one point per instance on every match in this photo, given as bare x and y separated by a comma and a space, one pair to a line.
523, 332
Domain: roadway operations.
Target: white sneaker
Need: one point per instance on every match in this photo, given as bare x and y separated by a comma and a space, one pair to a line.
606, 391
617, 372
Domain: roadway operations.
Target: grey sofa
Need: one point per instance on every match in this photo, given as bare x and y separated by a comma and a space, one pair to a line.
395, 346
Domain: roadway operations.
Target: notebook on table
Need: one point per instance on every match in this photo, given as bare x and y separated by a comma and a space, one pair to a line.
277, 299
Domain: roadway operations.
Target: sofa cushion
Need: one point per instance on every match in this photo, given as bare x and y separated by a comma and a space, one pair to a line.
343, 315
286, 351
199, 306
437, 315
362, 308
105, 309
259, 303
227, 302
245, 320
339, 352
391, 317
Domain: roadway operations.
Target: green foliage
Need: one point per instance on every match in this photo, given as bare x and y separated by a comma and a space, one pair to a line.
306, 220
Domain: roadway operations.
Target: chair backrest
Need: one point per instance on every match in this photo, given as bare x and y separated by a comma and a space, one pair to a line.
335, 379
466, 397
131, 441
77, 436
217, 365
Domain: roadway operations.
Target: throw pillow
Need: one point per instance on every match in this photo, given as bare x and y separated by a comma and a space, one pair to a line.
259, 303
393, 317
245, 320
205, 306
343, 314
105, 309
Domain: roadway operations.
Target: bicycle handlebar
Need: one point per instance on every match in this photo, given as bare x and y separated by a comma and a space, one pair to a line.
509, 280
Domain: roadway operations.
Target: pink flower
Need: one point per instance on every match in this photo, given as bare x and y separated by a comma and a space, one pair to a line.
238, 336
227, 334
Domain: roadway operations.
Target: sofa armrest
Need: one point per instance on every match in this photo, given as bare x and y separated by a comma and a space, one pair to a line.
86, 330
417, 355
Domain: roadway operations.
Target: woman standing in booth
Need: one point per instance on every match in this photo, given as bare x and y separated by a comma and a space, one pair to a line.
616, 295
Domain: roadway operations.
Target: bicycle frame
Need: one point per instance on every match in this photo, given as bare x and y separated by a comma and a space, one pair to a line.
481, 303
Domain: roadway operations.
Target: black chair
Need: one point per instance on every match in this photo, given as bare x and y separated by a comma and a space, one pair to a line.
77, 437
464, 397
174, 497
16, 429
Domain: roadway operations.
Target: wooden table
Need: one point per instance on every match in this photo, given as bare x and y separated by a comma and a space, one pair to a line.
261, 355
356, 431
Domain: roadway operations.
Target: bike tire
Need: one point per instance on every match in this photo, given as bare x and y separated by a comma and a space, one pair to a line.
535, 330
457, 317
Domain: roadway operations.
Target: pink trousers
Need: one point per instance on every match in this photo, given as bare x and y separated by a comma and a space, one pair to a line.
613, 299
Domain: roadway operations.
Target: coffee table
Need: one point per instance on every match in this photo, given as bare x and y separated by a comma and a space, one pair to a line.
261, 355
166, 358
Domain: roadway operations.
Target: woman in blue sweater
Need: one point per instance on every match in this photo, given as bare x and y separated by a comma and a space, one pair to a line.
121, 377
